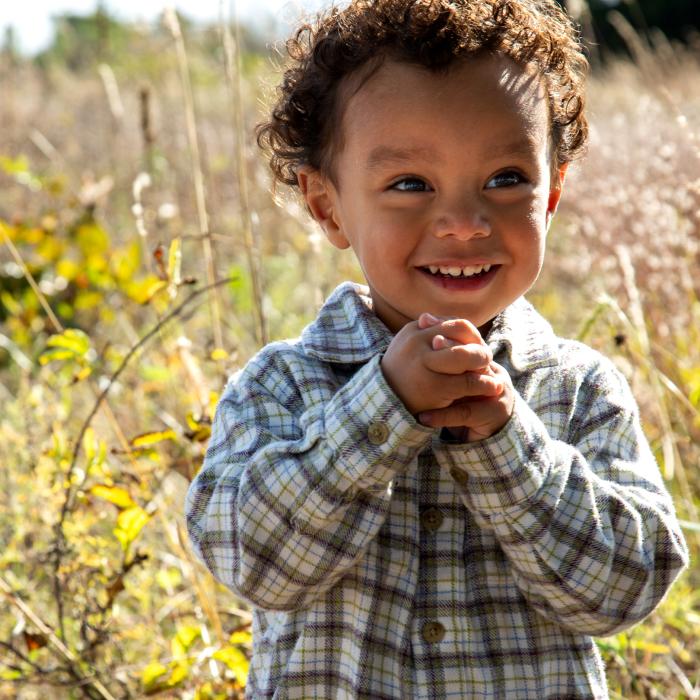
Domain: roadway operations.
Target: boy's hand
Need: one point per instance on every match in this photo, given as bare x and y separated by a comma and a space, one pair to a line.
444, 372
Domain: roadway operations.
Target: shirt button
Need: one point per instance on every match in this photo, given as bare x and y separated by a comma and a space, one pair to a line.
460, 476
431, 519
377, 433
433, 632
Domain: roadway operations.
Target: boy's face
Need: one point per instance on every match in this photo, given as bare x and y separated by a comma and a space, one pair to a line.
444, 188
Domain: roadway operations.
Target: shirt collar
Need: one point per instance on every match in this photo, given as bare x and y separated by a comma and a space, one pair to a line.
526, 339
348, 331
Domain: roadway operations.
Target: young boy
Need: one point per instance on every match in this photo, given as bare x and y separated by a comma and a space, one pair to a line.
428, 494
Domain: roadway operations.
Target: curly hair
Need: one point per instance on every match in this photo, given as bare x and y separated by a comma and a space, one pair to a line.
429, 33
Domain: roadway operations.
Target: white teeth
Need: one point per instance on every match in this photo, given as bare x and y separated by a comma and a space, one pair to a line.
454, 271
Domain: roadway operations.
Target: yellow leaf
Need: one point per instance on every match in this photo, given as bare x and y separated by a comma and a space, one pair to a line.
651, 647
180, 672
129, 523
7, 230
90, 444
219, 354
67, 269
144, 290
85, 300
114, 494
236, 660
125, 262
192, 423
169, 578
213, 401
83, 374
71, 339
10, 303
148, 439
151, 673
92, 239
183, 640
241, 637
51, 355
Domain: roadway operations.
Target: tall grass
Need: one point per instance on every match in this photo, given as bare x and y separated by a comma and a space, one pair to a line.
139, 186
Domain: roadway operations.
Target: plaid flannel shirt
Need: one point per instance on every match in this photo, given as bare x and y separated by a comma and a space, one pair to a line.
386, 563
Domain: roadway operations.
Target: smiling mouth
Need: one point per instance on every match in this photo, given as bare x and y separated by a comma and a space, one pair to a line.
472, 272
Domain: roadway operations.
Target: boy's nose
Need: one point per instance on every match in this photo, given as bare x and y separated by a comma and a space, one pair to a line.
464, 225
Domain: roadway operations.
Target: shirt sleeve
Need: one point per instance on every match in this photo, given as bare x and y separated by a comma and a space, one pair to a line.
285, 504
586, 524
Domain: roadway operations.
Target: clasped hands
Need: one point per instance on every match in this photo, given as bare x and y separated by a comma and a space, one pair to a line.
444, 373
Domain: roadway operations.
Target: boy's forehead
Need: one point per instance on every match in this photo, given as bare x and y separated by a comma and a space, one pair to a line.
393, 91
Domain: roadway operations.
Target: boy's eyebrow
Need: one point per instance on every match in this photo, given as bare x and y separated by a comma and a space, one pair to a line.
522, 147
391, 155
383, 155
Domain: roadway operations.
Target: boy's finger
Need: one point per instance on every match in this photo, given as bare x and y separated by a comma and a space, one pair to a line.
453, 387
439, 342
471, 414
460, 330
456, 358
427, 320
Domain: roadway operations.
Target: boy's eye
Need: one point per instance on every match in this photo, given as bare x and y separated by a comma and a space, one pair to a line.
410, 184
509, 178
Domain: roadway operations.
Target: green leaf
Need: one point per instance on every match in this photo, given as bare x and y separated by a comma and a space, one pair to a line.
14, 166
10, 674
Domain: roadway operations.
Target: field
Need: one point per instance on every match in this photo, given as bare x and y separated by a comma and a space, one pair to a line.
143, 258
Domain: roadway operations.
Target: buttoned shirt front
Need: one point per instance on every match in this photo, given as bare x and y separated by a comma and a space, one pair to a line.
384, 562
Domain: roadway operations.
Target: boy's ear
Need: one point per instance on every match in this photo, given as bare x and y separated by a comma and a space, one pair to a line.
555, 190
321, 201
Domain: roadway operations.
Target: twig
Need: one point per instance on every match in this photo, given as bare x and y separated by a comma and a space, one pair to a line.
30, 279
59, 543
177, 311
57, 326
56, 644
23, 657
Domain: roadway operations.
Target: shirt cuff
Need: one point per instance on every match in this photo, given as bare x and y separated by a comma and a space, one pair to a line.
505, 471
370, 432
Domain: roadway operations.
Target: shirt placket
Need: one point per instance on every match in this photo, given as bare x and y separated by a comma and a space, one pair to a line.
440, 581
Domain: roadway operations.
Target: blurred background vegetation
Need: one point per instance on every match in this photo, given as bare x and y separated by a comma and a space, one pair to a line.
143, 258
